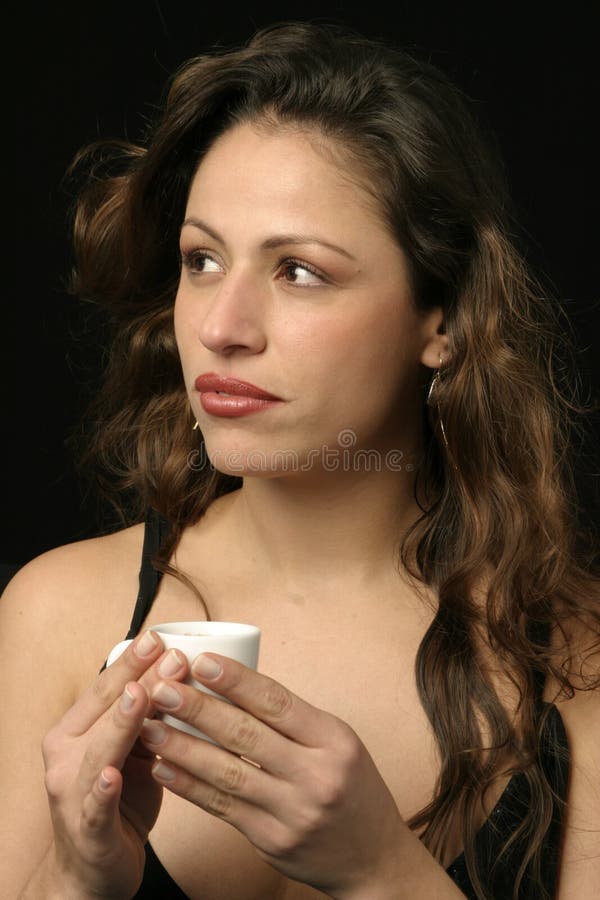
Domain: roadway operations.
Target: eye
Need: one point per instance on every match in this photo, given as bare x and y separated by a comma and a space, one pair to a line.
301, 274
198, 262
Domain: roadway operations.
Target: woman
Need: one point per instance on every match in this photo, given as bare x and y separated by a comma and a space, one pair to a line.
315, 228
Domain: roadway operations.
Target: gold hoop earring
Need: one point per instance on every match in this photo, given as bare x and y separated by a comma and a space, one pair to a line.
196, 426
432, 388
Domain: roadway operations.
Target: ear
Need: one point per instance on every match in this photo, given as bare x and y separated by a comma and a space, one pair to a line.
435, 339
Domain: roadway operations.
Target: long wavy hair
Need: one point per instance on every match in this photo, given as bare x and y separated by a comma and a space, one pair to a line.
496, 490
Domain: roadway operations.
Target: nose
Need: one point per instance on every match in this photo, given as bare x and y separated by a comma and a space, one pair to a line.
234, 320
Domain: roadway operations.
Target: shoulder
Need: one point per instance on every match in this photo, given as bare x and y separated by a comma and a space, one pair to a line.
576, 650
105, 563
580, 708
580, 861
78, 595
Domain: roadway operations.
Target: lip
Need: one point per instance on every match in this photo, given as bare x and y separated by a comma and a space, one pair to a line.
210, 382
229, 398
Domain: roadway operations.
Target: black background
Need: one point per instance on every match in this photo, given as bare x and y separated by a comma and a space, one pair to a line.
97, 70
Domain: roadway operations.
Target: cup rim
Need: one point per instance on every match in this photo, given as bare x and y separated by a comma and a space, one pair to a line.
218, 629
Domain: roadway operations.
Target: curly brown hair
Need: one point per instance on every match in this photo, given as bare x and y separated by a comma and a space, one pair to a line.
498, 496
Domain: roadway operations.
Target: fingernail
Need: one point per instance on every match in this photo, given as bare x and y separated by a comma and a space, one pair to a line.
103, 782
153, 732
163, 772
127, 701
170, 664
166, 696
146, 644
206, 667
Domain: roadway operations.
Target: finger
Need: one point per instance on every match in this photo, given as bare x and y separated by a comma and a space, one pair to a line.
173, 665
100, 807
115, 735
108, 686
264, 698
232, 728
213, 765
246, 817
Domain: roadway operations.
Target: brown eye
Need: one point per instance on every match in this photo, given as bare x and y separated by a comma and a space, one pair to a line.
301, 274
199, 263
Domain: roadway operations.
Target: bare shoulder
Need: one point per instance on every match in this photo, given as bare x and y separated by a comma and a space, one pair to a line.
59, 617
577, 650
78, 595
580, 707
580, 859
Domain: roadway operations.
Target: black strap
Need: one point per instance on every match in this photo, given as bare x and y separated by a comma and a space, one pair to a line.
508, 815
155, 530
157, 883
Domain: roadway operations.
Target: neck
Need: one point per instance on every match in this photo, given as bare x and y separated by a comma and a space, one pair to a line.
328, 530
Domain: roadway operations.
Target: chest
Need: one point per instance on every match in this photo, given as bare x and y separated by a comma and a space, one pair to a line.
360, 668
338, 656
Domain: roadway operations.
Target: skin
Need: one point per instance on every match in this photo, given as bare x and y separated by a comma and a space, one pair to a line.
341, 348
346, 350
244, 309
117, 806
327, 804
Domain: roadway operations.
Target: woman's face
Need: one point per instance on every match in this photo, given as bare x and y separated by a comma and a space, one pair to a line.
292, 283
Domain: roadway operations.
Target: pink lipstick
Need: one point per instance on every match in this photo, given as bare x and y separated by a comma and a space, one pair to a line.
230, 397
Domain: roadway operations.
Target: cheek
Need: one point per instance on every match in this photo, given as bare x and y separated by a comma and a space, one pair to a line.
359, 346
362, 370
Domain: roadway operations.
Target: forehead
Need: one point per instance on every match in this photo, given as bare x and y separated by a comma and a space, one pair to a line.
260, 165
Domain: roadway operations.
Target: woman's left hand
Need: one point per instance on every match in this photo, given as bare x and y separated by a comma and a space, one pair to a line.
313, 804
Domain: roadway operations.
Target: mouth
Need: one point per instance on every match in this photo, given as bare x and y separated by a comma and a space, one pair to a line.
225, 386
228, 398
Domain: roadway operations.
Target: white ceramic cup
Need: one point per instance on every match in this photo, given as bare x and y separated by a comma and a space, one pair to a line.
239, 642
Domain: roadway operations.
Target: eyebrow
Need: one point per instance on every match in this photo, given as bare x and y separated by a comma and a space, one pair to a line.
273, 242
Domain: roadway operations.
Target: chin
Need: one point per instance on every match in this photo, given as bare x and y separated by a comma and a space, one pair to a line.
262, 461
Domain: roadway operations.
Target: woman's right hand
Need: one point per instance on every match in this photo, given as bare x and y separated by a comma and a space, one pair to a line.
103, 799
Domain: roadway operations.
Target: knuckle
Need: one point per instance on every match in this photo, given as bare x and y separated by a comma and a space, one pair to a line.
131, 663
102, 690
282, 843
348, 747
90, 818
176, 744
310, 821
338, 767
53, 783
232, 777
243, 735
92, 761
195, 705
331, 792
219, 803
235, 677
50, 745
120, 721
277, 701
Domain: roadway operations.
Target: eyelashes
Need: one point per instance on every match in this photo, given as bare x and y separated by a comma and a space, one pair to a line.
190, 260
291, 263
193, 261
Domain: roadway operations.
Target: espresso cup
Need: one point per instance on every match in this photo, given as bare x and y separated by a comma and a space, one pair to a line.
232, 639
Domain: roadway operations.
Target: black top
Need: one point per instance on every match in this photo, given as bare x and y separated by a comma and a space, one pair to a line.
504, 819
